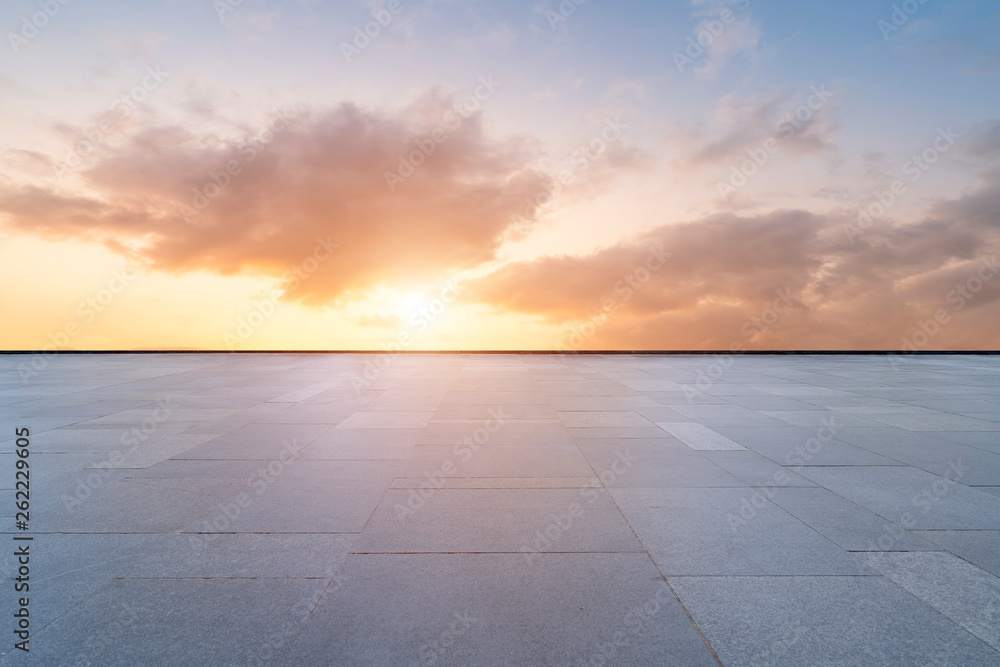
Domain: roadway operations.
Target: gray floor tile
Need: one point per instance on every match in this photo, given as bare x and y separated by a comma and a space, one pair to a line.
496, 520
697, 436
727, 532
489, 609
851, 526
264, 442
241, 556
936, 421
496, 461
824, 621
964, 593
755, 470
979, 547
181, 622
641, 464
386, 419
613, 419
911, 498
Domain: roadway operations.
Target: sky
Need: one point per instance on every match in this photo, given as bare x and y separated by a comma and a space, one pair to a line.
408, 175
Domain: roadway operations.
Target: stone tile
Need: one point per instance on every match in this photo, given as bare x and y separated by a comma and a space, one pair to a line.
490, 609
144, 455
65, 569
496, 520
824, 621
644, 463
408, 420
802, 446
723, 532
485, 411
934, 455
90, 440
986, 440
132, 505
815, 420
265, 442
299, 413
498, 482
508, 433
911, 497
697, 436
755, 470
851, 526
616, 432
347, 444
979, 547
175, 622
496, 461
964, 593
594, 418
661, 413
717, 412
242, 556
340, 495
935, 421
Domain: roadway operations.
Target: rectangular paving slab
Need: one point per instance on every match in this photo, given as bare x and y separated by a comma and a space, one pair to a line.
824, 621
489, 609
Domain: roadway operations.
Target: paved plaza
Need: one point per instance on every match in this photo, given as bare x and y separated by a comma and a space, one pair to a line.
503, 509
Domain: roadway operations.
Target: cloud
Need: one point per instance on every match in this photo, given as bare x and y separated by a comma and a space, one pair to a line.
724, 32
725, 270
317, 174
742, 36
743, 123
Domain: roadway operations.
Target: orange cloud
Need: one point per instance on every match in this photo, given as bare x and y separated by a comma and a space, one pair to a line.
257, 205
727, 274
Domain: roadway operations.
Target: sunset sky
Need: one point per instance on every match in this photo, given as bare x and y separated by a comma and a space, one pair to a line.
190, 174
